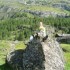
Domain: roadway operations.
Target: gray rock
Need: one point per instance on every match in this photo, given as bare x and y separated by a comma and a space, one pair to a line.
47, 13
38, 55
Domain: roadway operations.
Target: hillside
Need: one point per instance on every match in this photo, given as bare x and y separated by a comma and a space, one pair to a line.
19, 19
51, 8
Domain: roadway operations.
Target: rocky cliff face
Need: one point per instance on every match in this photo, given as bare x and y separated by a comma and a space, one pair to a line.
38, 55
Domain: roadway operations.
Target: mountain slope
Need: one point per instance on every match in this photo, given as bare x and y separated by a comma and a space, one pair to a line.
43, 8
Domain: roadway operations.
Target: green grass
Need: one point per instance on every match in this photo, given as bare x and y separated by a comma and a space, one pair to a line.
46, 8
30, 15
67, 59
5, 48
20, 45
66, 47
66, 55
3, 51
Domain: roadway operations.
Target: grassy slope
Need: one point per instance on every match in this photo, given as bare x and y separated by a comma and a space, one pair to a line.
66, 55
20, 6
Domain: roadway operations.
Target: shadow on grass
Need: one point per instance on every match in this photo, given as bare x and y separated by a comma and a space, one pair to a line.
5, 67
64, 50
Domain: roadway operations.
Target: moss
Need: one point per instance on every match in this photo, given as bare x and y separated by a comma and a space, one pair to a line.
20, 45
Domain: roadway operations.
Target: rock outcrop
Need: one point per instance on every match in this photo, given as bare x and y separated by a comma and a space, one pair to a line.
47, 13
38, 55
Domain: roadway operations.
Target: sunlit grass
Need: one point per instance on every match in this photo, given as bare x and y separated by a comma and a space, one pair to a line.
66, 55
66, 47
20, 45
46, 8
67, 59
30, 15
3, 51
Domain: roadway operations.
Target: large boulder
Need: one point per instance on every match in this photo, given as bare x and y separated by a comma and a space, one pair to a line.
38, 55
